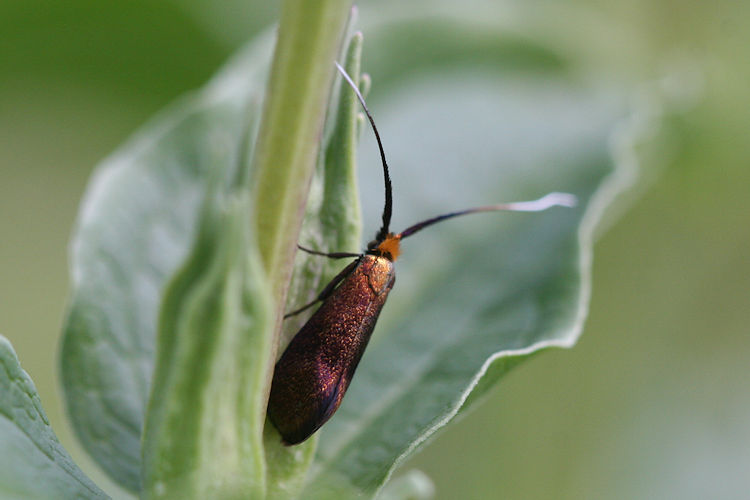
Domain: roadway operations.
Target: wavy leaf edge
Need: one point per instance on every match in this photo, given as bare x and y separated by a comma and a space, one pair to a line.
628, 133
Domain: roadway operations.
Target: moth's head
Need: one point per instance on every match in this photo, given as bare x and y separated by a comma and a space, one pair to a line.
389, 247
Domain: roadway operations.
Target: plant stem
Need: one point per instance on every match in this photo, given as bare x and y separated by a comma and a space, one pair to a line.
309, 39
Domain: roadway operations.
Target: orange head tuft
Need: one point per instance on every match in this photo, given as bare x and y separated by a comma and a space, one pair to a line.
390, 247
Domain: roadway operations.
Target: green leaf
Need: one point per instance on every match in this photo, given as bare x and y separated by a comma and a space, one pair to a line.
217, 338
136, 225
475, 296
204, 428
140, 215
33, 463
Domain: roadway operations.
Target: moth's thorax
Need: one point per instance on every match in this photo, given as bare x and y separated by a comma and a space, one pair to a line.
379, 272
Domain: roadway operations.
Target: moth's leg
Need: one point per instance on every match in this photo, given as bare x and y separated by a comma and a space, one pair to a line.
330, 255
329, 288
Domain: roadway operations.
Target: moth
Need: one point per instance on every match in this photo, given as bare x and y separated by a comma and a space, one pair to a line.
312, 375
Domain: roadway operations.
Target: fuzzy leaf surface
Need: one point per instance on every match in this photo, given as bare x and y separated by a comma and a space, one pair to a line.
136, 225
33, 463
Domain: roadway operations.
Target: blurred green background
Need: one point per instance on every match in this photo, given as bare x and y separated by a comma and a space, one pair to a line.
653, 402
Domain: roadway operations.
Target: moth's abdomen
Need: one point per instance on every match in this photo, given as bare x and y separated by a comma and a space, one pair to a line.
312, 376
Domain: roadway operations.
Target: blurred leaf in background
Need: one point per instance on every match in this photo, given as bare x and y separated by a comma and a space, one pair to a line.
651, 405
